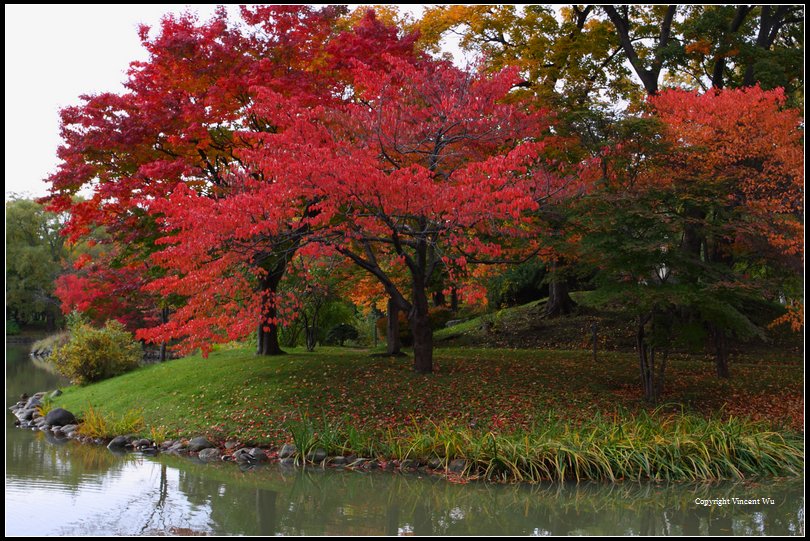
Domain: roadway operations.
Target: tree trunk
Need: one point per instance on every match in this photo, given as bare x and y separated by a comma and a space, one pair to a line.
164, 318
419, 319
646, 358
740, 15
559, 301
769, 24
622, 24
311, 337
267, 342
50, 322
394, 346
438, 298
453, 300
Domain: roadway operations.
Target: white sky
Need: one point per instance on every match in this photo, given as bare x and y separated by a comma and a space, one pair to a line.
54, 54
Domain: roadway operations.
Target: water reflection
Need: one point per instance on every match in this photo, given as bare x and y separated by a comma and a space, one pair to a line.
53, 487
329, 503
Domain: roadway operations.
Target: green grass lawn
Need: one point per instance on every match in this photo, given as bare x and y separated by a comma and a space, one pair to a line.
235, 394
510, 414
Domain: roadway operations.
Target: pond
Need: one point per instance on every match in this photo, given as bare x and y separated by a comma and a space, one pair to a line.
66, 488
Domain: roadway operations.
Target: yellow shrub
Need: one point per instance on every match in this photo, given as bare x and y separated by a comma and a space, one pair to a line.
95, 354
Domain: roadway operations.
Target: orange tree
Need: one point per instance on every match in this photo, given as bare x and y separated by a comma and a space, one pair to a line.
698, 220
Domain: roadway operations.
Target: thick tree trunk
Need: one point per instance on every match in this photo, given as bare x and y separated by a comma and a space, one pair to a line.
267, 342
394, 344
559, 301
422, 343
622, 24
419, 319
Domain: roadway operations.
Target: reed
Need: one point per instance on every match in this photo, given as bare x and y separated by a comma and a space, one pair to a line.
99, 425
647, 446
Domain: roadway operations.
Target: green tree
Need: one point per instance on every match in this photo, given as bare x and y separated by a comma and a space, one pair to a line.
732, 46
35, 256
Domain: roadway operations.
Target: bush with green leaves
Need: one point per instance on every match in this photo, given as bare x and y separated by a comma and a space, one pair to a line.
340, 333
518, 284
12, 327
94, 354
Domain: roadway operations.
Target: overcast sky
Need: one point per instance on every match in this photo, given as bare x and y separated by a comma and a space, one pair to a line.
53, 55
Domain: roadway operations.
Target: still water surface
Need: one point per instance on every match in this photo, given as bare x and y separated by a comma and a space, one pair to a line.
65, 488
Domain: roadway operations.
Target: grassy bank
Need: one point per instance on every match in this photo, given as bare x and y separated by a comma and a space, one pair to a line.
526, 326
531, 414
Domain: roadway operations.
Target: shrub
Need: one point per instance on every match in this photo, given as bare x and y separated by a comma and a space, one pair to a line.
12, 327
340, 333
95, 354
518, 284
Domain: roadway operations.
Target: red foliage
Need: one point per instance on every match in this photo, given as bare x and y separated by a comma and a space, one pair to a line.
747, 142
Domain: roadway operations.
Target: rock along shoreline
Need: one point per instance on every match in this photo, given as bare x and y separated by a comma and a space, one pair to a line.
62, 424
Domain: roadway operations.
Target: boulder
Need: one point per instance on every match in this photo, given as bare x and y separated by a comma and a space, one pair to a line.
435, 463
210, 454
118, 443
258, 455
199, 443
60, 417
409, 464
317, 455
288, 450
56, 393
33, 402
338, 460
177, 447
457, 465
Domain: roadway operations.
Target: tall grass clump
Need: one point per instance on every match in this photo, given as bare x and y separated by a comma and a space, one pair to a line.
99, 425
642, 447
334, 437
647, 446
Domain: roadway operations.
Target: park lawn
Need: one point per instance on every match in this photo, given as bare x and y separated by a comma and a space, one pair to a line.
233, 394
